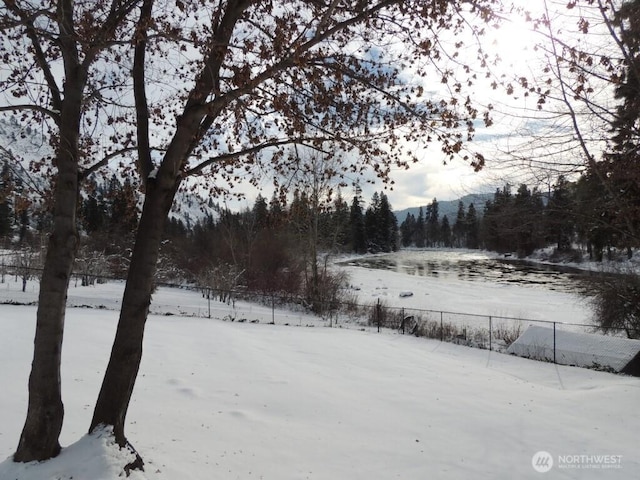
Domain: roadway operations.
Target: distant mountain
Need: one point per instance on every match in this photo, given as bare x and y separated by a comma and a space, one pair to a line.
450, 207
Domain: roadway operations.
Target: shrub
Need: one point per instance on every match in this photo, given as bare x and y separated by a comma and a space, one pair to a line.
380, 314
615, 299
507, 333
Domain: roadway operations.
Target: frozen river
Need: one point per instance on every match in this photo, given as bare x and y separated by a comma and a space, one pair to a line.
469, 282
475, 266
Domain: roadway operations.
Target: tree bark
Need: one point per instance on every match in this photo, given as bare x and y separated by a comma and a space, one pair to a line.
39, 438
126, 354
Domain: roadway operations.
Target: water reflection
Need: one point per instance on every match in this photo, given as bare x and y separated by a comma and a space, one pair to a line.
475, 267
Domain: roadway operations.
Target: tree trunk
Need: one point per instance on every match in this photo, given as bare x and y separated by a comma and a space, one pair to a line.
126, 354
39, 438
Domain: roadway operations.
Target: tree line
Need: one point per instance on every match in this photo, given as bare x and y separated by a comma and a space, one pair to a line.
265, 248
573, 216
570, 215
429, 230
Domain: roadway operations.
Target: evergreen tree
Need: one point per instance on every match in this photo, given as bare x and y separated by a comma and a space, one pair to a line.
6, 211
93, 214
592, 216
356, 219
260, 213
123, 211
371, 225
23, 216
446, 237
381, 225
387, 225
459, 228
340, 222
420, 230
498, 232
276, 213
6, 223
619, 170
407, 230
527, 224
472, 226
433, 224
559, 215
299, 212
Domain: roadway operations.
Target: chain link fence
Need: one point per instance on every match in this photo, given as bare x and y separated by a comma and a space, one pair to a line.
494, 333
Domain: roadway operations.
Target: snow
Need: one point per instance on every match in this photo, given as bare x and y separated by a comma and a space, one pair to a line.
229, 400
574, 348
93, 457
451, 294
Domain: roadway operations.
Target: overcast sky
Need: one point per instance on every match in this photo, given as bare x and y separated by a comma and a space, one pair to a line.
520, 128
514, 41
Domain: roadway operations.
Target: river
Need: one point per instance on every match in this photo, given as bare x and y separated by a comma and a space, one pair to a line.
476, 266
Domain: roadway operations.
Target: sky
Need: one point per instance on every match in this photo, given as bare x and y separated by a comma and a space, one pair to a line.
525, 144
517, 122
515, 117
431, 178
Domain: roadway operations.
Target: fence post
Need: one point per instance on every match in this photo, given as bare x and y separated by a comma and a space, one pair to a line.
554, 342
273, 309
441, 328
209, 300
402, 321
378, 314
489, 332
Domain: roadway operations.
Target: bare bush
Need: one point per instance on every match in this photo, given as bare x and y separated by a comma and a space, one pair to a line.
28, 264
222, 281
615, 299
326, 293
91, 266
381, 315
445, 331
508, 333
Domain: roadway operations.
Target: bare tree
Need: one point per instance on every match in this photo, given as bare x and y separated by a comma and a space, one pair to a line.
313, 175
587, 62
57, 53
257, 76
91, 266
241, 80
28, 265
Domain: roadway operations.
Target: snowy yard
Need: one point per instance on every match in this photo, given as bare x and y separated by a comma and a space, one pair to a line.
228, 400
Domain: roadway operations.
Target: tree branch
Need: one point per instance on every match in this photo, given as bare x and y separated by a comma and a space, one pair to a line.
84, 173
144, 161
248, 151
41, 58
55, 116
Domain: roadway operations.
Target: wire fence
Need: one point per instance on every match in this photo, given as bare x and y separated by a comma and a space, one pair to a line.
490, 332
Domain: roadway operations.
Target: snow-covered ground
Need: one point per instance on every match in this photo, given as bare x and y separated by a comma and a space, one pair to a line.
228, 400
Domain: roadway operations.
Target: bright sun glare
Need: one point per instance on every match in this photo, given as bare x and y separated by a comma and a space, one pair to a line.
514, 40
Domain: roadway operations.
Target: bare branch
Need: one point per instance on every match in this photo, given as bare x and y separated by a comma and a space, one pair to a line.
55, 116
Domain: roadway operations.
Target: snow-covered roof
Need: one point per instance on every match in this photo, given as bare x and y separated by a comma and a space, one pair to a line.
580, 349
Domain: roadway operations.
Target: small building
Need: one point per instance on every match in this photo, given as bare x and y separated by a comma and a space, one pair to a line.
589, 350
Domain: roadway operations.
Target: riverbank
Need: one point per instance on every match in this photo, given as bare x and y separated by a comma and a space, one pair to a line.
579, 259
